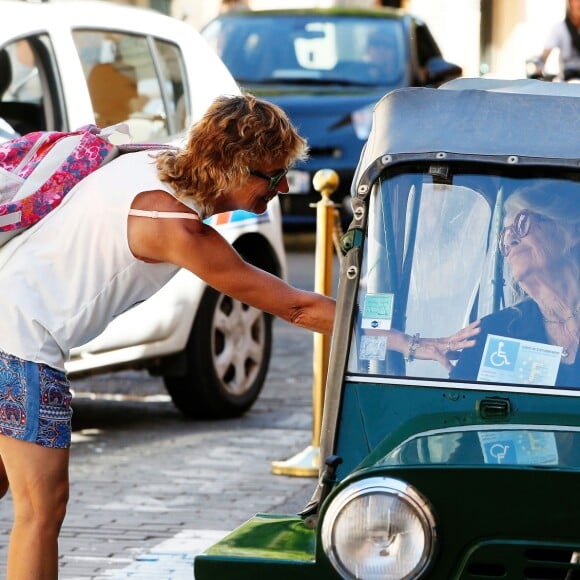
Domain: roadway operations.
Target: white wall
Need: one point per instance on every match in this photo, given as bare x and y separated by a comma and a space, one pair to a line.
195, 12
519, 29
455, 26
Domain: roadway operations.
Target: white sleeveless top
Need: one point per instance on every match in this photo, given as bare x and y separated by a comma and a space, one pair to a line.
63, 280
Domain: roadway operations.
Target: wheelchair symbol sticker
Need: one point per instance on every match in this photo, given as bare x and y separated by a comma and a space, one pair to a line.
519, 361
500, 452
519, 447
502, 354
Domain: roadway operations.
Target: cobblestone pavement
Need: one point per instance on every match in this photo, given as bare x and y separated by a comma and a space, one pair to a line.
150, 489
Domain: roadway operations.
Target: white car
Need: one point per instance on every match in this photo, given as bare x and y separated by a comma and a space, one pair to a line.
66, 64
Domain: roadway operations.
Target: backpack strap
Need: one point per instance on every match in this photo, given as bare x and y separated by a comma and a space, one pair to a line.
164, 214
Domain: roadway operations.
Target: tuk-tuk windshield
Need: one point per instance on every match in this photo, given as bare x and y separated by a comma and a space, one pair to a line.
445, 248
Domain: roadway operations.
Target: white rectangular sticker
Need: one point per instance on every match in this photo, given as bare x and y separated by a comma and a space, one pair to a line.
510, 360
373, 347
378, 311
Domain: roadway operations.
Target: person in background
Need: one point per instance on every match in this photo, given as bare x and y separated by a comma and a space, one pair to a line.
565, 36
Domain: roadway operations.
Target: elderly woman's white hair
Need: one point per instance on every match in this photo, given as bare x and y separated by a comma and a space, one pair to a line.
557, 200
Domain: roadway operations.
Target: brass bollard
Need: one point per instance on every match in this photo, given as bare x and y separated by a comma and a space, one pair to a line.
307, 462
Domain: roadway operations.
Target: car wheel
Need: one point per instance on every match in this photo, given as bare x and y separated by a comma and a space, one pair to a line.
228, 354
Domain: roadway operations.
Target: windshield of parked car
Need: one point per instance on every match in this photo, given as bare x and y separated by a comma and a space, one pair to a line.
446, 248
314, 49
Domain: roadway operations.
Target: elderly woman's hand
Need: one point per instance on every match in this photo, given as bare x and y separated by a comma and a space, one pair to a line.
443, 350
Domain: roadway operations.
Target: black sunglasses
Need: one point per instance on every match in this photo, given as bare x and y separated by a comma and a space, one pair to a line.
273, 180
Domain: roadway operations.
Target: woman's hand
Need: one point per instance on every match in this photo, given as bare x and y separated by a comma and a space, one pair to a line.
443, 350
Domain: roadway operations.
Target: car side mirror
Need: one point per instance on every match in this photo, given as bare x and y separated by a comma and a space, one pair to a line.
440, 70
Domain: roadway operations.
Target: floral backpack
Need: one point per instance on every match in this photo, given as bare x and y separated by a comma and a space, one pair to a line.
37, 171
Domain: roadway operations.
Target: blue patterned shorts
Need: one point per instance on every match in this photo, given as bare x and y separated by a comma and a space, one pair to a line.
35, 402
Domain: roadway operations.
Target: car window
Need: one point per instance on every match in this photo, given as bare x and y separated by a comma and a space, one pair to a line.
30, 90
350, 50
135, 80
432, 264
172, 70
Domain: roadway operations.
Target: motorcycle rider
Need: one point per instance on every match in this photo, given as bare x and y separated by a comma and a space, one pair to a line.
565, 36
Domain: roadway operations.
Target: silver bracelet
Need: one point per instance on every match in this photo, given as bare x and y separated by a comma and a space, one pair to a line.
413, 346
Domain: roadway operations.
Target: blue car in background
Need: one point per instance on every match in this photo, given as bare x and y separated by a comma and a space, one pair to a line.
327, 68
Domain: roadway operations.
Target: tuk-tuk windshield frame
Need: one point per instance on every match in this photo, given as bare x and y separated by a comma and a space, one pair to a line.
432, 265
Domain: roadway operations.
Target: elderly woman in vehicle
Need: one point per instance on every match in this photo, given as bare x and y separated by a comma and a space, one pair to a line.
540, 241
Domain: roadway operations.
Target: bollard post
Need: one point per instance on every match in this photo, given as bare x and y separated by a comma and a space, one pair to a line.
307, 462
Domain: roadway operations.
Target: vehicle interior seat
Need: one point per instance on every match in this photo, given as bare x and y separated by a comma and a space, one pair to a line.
113, 92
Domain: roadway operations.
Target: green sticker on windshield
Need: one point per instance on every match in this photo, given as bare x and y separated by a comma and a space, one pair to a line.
378, 311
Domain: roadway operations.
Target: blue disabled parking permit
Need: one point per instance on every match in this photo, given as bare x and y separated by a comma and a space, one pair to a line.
519, 447
509, 360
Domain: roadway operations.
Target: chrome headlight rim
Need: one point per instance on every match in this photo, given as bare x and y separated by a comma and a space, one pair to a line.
379, 485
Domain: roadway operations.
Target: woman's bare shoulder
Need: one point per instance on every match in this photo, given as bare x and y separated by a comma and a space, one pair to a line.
154, 239
160, 201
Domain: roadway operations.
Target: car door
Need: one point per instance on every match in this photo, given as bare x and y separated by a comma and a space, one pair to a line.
31, 92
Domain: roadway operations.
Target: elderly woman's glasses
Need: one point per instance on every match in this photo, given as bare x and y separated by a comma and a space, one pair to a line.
519, 229
273, 180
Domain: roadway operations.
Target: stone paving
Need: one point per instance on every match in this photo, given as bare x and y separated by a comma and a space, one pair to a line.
142, 475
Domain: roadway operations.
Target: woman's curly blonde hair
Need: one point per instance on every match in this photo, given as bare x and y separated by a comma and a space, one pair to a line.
235, 135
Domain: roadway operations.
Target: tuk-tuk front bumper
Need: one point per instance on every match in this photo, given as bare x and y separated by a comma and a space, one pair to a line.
266, 546
506, 522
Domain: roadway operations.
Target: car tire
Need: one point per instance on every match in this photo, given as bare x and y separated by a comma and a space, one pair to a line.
227, 358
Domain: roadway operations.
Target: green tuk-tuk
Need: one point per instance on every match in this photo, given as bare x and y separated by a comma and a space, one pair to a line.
451, 426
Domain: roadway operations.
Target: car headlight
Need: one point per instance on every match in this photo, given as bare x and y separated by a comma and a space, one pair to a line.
362, 120
379, 528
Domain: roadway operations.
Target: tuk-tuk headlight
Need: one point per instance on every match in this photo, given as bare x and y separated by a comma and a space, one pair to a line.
379, 528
